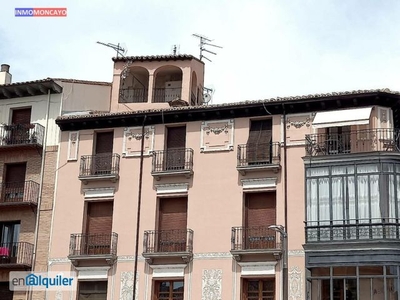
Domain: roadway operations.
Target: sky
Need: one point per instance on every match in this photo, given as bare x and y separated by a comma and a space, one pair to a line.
271, 48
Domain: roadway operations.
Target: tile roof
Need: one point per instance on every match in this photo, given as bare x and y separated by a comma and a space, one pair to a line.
156, 58
232, 104
81, 81
28, 82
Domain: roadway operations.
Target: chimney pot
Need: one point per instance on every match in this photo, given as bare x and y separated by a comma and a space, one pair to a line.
5, 68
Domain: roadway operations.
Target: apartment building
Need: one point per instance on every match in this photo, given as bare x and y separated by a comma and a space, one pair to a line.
291, 197
29, 141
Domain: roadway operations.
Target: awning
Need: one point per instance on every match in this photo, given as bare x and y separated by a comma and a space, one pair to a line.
338, 118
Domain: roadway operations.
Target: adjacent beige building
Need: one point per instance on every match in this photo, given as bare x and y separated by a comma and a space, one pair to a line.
29, 144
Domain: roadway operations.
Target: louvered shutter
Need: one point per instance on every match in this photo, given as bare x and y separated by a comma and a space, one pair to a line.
104, 142
260, 212
172, 225
102, 162
99, 217
259, 142
175, 153
13, 190
21, 116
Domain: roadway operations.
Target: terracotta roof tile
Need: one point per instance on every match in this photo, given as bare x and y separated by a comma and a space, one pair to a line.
227, 105
156, 57
82, 81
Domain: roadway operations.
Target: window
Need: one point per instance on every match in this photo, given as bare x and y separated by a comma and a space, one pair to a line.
338, 139
103, 153
14, 182
9, 241
168, 290
92, 290
260, 212
258, 289
259, 143
176, 142
172, 225
347, 195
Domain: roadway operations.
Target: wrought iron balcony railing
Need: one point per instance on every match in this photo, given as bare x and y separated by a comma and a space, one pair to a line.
106, 164
103, 244
133, 95
19, 253
168, 241
254, 238
173, 160
259, 154
357, 141
166, 94
352, 230
19, 192
21, 134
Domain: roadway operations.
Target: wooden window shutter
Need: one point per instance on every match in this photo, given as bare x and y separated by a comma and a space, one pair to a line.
176, 137
15, 173
260, 132
99, 217
104, 142
173, 213
260, 209
21, 116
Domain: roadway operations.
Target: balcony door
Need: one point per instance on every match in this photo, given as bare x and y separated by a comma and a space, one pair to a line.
102, 160
175, 152
98, 228
9, 242
338, 140
258, 289
20, 121
259, 143
260, 212
172, 225
13, 188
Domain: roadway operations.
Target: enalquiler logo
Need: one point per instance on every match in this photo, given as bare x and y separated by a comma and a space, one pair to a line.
41, 281
41, 12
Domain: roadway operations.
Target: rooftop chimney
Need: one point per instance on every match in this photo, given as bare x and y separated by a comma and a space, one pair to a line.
5, 76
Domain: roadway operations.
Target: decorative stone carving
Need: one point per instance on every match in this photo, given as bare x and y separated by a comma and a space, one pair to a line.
212, 285
212, 255
298, 124
217, 136
295, 284
133, 138
73, 142
127, 286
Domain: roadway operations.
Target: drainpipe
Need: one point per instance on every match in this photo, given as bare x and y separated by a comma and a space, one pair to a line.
40, 188
285, 267
139, 204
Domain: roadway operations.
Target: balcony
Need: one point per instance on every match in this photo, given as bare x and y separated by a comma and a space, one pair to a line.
133, 95
25, 193
98, 249
168, 244
259, 157
19, 135
253, 242
352, 230
16, 255
99, 167
161, 95
358, 141
172, 162
337, 243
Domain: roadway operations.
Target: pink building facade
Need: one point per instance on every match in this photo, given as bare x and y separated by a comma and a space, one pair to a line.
254, 200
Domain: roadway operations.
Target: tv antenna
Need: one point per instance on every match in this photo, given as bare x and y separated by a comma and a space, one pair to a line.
175, 49
205, 41
118, 48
